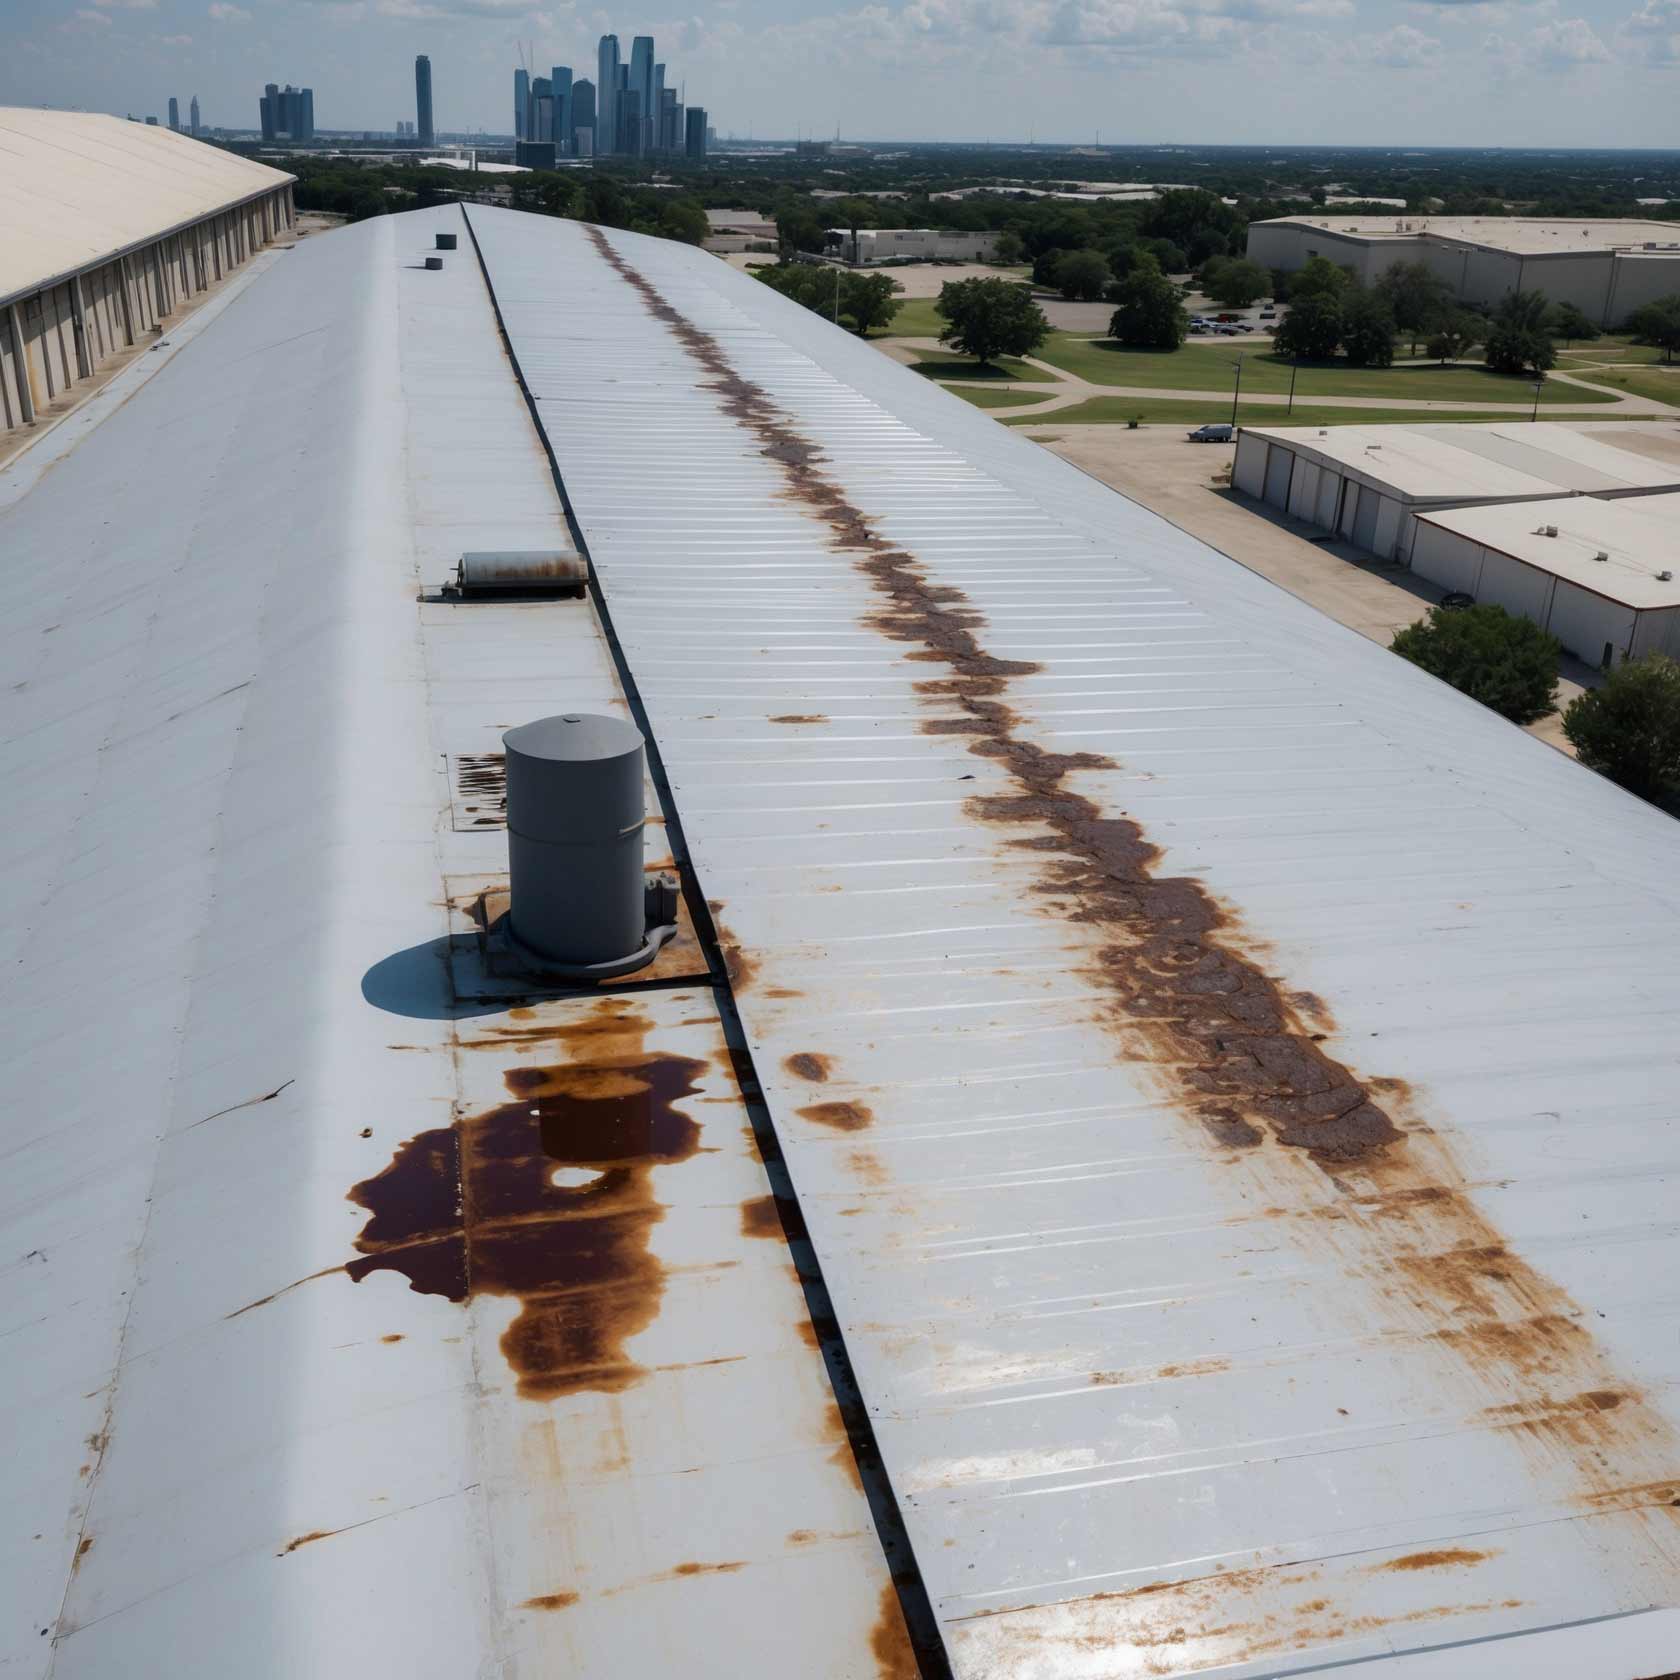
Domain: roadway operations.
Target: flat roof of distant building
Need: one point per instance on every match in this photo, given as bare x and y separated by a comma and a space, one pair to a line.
1455, 462
80, 187
1636, 536
1518, 235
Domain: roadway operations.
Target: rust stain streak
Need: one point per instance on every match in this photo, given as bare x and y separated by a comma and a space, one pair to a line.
550, 1601
307, 1540
1191, 1004
839, 1116
889, 1640
473, 1208
1448, 1557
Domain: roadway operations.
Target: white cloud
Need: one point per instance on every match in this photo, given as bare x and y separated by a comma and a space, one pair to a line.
127, 5
81, 20
1652, 34
429, 10
1401, 48
223, 11
1566, 43
175, 41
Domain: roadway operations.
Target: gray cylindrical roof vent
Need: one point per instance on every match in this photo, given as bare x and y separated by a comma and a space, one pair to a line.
574, 821
434, 262
446, 242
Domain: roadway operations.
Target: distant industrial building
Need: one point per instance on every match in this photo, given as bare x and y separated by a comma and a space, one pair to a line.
1600, 576
534, 154
1607, 269
287, 113
1370, 484
423, 100
123, 223
874, 245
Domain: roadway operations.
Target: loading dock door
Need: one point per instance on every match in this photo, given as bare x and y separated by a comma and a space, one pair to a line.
1279, 464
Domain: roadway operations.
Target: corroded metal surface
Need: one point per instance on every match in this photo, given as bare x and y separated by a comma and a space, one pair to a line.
1096, 914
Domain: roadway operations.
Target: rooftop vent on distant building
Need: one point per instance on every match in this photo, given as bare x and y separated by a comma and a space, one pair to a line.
1665, 577
1603, 554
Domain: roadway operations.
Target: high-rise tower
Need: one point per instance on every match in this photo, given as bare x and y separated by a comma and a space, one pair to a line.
560, 85
192, 115
423, 100
521, 101
606, 95
641, 84
174, 114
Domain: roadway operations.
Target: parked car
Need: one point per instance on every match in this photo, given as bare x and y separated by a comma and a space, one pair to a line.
1229, 332
1456, 601
1200, 327
1226, 315
1211, 434
1268, 314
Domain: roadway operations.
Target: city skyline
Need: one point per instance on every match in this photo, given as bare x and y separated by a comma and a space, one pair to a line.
1284, 72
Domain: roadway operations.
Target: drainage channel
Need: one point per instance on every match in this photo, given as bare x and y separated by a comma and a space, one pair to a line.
907, 1579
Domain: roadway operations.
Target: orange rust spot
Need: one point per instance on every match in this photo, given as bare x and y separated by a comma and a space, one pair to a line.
575, 1255
1449, 1557
393, 1337
550, 1601
782, 992
867, 1165
799, 717
684, 1570
807, 1064
741, 969
307, 1540
889, 1640
759, 1217
841, 1116
84, 1548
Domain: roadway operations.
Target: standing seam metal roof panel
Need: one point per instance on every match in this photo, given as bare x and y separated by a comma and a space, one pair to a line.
1154, 1401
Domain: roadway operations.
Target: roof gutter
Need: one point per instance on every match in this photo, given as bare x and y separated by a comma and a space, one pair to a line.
140, 244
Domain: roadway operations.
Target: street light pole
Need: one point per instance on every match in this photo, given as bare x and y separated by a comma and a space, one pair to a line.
837, 295
1238, 391
1294, 365
1539, 383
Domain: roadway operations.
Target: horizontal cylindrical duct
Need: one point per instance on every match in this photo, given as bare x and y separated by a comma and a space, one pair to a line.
517, 572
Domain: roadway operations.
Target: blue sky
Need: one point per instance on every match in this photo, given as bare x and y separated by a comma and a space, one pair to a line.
1334, 72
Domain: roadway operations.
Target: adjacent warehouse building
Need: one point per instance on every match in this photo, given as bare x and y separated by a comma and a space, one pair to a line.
106, 228
1606, 268
1600, 576
1369, 484
874, 245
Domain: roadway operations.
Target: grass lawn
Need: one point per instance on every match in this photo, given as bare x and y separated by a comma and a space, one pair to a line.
1186, 411
1208, 367
1606, 352
981, 397
915, 319
1654, 384
964, 367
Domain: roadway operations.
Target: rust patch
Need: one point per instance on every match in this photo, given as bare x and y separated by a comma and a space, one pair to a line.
759, 1217
1448, 1557
550, 1601
308, 1539
1191, 1002
741, 968
473, 1208
807, 1064
889, 1640
800, 717
393, 1337
841, 1116
683, 1570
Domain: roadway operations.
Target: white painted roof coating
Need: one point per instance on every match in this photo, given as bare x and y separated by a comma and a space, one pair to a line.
1504, 459
1638, 536
77, 187
1150, 1403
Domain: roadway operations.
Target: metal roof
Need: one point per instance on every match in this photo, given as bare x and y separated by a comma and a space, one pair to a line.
1521, 236
1638, 537
78, 187
1508, 460
1228, 1078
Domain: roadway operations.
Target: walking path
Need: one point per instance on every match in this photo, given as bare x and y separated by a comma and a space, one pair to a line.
1067, 390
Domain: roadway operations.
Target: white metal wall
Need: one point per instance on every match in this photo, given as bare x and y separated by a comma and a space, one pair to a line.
1248, 470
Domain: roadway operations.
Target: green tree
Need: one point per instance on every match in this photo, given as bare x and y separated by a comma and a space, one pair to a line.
683, 218
1518, 342
1506, 662
1569, 322
1082, 275
1151, 315
1658, 323
991, 318
1367, 329
1237, 283
870, 300
1171, 257
1312, 329
1419, 299
1010, 249
1452, 340
1629, 729
1318, 277
604, 202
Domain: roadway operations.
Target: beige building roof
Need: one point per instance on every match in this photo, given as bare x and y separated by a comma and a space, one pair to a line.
78, 187
1638, 537
1515, 234
1455, 461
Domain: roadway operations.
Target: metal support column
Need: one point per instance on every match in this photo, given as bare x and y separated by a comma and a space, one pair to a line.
25, 375
78, 315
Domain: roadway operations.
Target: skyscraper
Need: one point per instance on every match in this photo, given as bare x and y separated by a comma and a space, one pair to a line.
695, 140
521, 103
629, 104
423, 100
583, 118
607, 69
174, 114
656, 110
193, 115
539, 125
560, 83
641, 84
288, 113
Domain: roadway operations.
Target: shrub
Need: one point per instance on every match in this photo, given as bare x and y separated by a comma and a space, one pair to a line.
1629, 730
1506, 662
